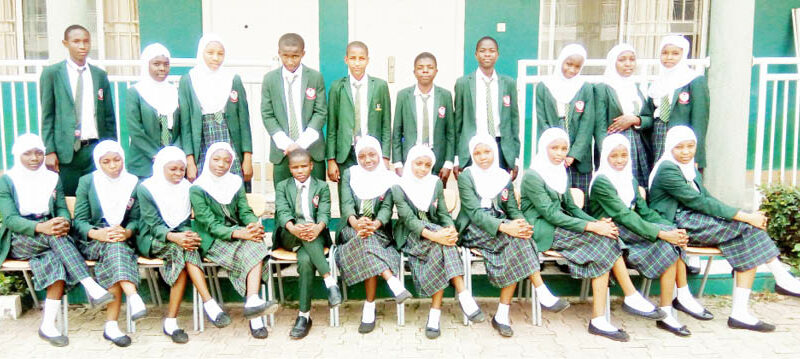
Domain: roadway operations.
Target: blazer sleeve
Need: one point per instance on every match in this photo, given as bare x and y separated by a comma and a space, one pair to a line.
699, 117
333, 122
385, 212
512, 89
574, 210
284, 209
670, 178
397, 130
536, 191
541, 110
646, 113
458, 119
405, 214
138, 137
8, 208
267, 109
445, 220
347, 204
245, 213
83, 211
61, 208
150, 217
583, 139
205, 218
186, 103
608, 198
244, 116
450, 129
512, 207
320, 114
48, 99
470, 204
110, 115
134, 215
324, 209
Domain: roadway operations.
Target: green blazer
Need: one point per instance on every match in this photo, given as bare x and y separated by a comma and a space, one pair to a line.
671, 191
404, 132
350, 205
604, 202
409, 220
545, 209
341, 117
13, 222
607, 108
236, 115
471, 211
274, 112
465, 118
89, 214
581, 122
692, 113
319, 197
58, 109
151, 225
215, 221
144, 132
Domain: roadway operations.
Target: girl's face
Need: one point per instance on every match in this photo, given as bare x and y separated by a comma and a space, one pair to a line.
572, 66
618, 158
483, 155
684, 151
111, 164
421, 166
626, 63
174, 171
214, 55
159, 68
32, 159
557, 151
671, 55
368, 158
220, 162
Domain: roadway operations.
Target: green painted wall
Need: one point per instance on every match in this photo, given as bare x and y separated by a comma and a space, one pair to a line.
333, 37
177, 24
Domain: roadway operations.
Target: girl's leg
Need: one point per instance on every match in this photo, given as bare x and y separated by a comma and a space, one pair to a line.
506, 294
458, 284
56, 290
435, 313
741, 297
136, 303
684, 295
667, 282
112, 310
785, 282
254, 279
436, 300
633, 298
599, 292
176, 295
395, 285
199, 280
546, 298
368, 311
51, 307
680, 274
370, 287
127, 287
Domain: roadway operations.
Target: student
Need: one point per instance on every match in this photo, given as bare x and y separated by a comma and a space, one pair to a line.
302, 212
213, 106
165, 232
366, 249
486, 102
346, 125
232, 236
36, 228
591, 246
293, 109
424, 115
490, 221
153, 117
77, 110
678, 194
654, 246
618, 102
426, 233
565, 100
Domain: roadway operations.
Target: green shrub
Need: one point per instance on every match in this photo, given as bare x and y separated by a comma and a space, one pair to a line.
11, 284
782, 205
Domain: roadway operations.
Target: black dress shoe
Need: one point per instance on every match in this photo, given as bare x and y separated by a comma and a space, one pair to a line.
681, 332
431, 333
783, 291
758, 327
560, 306
178, 336
655, 314
122, 341
365, 328
102, 301
504, 330
334, 296
221, 321
400, 298
260, 333
301, 327
475, 317
706, 315
692, 270
255, 311
139, 315
59, 341
618, 335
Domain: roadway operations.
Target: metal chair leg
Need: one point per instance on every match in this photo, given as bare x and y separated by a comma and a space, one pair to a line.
64, 314
154, 276
608, 305
270, 291
28, 281
280, 282
705, 277
130, 322
221, 300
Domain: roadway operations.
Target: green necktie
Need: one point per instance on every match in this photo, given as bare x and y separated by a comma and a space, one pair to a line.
665, 109
357, 109
294, 131
298, 206
489, 112
166, 136
366, 207
426, 131
567, 107
423, 216
76, 145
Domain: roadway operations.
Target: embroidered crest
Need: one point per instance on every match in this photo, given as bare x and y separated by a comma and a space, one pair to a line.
435, 204
53, 195
442, 111
234, 96
579, 106
683, 98
311, 93
381, 198
100, 94
130, 203
504, 195
315, 201
507, 101
378, 107
77, 133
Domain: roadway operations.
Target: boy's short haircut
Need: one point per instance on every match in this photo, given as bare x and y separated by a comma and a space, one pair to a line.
425, 55
478, 44
298, 154
291, 39
356, 44
74, 27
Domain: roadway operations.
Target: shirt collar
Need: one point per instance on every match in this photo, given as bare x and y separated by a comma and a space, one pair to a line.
483, 77
354, 81
307, 183
417, 91
285, 73
72, 65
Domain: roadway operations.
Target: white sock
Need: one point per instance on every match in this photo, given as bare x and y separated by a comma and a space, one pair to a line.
212, 308
782, 276
48, 327
136, 302
739, 310
395, 285
686, 298
433, 318
640, 303
112, 330
670, 320
170, 325
502, 314
603, 324
467, 302
95, 290
329, 281
306, 315
368, 312
253, 301
256, 323
545, 297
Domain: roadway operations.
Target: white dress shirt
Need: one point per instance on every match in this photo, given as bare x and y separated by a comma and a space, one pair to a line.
87, 120
364, 108
304, 197
433, 114
481, 126
307, 136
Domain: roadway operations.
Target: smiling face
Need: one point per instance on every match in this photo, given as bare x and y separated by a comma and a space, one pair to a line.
368, 158
684, 151
32, 159
425, 71
300, 168
421, 166
671, 55
111, 164
220, 162
572, 66
291, 56
357, 60
174, 171
486, 54
626, 63
618, 158
78, 43
159, 68
557, 151
214, 55
483, 155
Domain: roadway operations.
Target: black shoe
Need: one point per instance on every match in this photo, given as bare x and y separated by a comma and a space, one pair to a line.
260, 333
784, 291
272, 307
301, 327
365, 328
475, 317
400, 298
655, 314
563, 268
692, 270
504, 330
681, 332
706, 315
617, 335
758, 327
221, 321
122, 341
139, 315
59, 341
560, 306
178, 336
102, 301
431, 333
255, 311
334, 296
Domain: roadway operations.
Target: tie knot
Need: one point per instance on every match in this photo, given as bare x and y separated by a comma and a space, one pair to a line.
424, 97
357, 85
81, 70
488, 81
291, 78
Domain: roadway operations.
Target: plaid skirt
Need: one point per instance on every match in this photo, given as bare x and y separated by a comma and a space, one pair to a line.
363, 258
658, 139
508, 259
744, 246
579, 180
650, 258
215, 129
238, 257
175, 259
432, 264
588, 255
116, 261
640, 162
51, 259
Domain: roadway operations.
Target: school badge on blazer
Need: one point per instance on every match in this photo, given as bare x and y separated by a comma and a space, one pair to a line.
378, 107
315, 201
507, 101
311, 93
504, 195
683, 98
100, 94
579, 106
442, 111
130, 203
234, 96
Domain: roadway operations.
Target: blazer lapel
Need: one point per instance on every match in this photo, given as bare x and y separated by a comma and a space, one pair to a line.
292, 191
282, 112
312, 192
64, 77
96, 87
307, 103
501, 87
349, 92
412, 101
471, 81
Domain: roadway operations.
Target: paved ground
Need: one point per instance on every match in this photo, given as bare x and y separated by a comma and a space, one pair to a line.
563, 335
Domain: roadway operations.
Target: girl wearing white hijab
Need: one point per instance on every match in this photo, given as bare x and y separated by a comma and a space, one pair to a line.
427, 234
590, 246
565, 100
655, 246
35, 228
366, 247
165, 232
106, 219
491, 222
152, 111
233, 236
678, 97
213, 106
678, 194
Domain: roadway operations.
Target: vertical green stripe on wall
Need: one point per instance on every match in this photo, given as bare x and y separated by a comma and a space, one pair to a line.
333, 36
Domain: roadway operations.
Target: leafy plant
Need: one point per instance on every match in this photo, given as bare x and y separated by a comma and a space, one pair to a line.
11, 284
782, 206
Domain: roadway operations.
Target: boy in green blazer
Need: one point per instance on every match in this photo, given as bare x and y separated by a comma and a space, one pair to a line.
302, 212
293, 109
424, 115
358, 105
77, 110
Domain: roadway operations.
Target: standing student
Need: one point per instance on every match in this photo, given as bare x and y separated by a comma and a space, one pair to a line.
303, 211
678, 194
358, 106
77, 110
165, 232
36, 228
153, 117
293, 109
366, 249
213, 106
486, 102
565, 100
424, 115
232, 236
491, 222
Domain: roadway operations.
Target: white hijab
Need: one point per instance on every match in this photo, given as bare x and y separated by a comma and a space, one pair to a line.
370, 184
211, 87
163, 96
488, 182
675, 136
562, 88
625, 87
114, 194
171, 199
622, 180
223, 188
419, 190
669, 80
34, 188
554, 175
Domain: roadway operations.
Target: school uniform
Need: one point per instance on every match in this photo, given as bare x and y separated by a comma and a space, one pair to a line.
412, 110
148, 132
608, 108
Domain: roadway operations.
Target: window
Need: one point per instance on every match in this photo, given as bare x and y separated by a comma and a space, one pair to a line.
121, 29
8, 33
34, 29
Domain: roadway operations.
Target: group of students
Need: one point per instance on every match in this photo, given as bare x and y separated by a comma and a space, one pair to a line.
190, 151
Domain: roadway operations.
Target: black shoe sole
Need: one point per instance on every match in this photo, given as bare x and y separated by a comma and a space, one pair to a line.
618, 336
681, 332
705, 316
122, 342
760, 327
502, 331
55, 341
780, 290
656, 314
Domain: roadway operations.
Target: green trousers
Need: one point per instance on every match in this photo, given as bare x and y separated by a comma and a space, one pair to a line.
310, 258
81, 164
